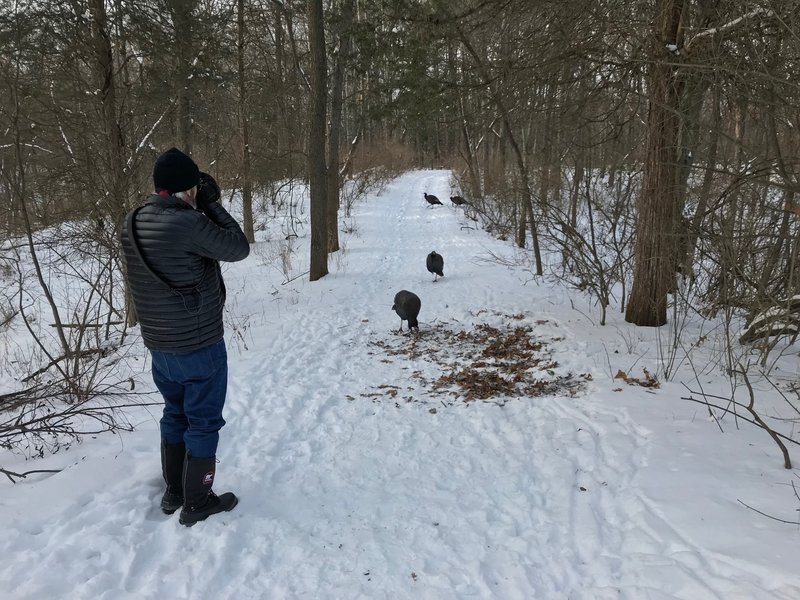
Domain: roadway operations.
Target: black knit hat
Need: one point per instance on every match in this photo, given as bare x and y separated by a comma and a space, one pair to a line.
175, 172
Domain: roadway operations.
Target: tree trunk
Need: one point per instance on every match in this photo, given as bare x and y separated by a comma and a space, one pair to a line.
695, 84
115, 194
182, 22
469, 154
316, 142
247, 189
522, 223
655, 246
337, 100
705, 187
574, 194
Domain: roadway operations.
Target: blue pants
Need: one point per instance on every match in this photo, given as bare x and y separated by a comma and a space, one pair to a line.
193, 385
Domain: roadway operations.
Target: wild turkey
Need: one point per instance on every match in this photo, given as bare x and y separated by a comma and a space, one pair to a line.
407, 305
431, 199
458, 200
435, 264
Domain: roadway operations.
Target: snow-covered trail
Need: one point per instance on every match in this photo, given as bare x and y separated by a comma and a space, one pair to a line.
347, 493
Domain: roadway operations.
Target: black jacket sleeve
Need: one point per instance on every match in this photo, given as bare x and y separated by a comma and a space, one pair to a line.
217, 235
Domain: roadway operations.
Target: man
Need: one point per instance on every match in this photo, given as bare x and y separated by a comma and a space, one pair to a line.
172, 246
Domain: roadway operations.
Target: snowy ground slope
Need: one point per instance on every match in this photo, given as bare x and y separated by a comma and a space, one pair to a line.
357, 480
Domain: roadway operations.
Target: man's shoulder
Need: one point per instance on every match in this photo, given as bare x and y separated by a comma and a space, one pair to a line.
160, 219
169, 209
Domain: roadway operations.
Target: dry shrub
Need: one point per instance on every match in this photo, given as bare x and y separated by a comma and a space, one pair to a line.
498, 207
393, 157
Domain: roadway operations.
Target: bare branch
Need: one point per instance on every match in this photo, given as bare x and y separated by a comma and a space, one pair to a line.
728, 27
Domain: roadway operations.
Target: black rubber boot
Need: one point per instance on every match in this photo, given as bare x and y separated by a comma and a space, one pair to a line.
199, 502
172, 457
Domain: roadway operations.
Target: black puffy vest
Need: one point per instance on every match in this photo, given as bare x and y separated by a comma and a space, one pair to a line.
182, 246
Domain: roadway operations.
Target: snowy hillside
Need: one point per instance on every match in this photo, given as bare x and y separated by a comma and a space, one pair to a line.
376, 465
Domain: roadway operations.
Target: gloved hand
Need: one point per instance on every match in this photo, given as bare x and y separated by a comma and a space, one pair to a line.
207, 191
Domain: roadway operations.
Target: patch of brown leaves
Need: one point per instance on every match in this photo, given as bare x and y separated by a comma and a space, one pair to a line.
649, 380
487, 363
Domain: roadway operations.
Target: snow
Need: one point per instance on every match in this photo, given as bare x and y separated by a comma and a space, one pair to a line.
359, 479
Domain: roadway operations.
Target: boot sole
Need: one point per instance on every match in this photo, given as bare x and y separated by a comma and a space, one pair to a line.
169, 508
191, 523
171, 502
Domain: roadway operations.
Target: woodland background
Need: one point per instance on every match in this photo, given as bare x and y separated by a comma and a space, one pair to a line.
651, 147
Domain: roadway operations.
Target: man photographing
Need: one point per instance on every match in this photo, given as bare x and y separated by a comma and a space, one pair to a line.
172, 247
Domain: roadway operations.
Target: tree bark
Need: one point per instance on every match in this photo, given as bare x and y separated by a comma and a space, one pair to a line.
337, 101
469, 154
247, 187
655, 246
316, 141
182, 22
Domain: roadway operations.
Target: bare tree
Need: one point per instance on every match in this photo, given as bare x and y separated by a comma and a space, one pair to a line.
247, 187
527, 200
676, 85
182, 21
658, 205
316, 141
344, 36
